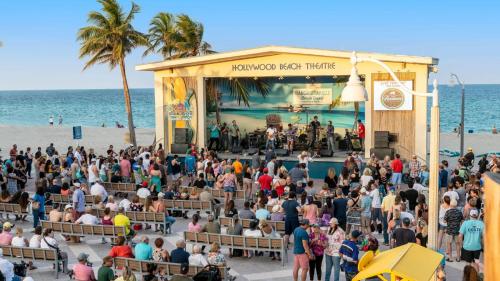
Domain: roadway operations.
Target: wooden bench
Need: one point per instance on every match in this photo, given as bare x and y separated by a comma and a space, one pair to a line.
239, 242
188, 205
26, 253
115, 187
65, 199
72, 229
12, 209
168, 268
279, 226
139, 217
218, 193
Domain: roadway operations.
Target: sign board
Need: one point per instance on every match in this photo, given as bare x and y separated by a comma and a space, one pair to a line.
77, 132
306, 96
389, 95
179, 111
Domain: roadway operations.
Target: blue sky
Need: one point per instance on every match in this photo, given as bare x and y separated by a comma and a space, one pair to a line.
40, 49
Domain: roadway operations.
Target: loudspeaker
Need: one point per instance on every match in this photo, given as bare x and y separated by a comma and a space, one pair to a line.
381, 135
179, 148
252, 151
281, 152
381, 143
343, 144
236, 150
380, 153
181, 135
326, 153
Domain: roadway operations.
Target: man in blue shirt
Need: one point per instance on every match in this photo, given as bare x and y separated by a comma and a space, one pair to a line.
179, 255
349, 254
190, 166
471, 235
443, 177
292, 209
143, 251
301, 251
78, 200
214, 137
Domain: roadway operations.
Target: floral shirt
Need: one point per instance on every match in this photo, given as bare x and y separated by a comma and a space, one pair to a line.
316, 245
216, 259
334, 242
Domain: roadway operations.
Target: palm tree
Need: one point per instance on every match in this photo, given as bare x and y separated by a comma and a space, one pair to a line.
108, 39
163, 35
190, 38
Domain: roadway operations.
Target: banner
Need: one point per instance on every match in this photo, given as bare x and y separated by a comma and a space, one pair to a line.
305, 96
389, 95
179, 111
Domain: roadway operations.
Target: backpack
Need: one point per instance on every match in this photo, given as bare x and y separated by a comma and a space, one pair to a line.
209, 273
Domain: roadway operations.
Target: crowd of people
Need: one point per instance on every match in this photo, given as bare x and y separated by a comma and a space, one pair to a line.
331, 221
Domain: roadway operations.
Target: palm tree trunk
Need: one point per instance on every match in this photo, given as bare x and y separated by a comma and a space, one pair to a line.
128, 103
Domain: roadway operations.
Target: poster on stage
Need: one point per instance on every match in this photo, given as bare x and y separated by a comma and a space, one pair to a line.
312, 96
389, 95
178, 110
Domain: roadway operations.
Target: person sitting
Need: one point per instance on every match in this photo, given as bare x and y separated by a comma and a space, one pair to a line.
253, 231
277, 213
6, 237
65, 190
246, 213
200, 181
49, 242
183, 276
158, 206
143, 192
211, 226
121, 249
215, 257
120, 219
36, 238
194, 225
143, 251
262, 213
136, 205
88, 218
98, 189
127, 275
55, 215
197, 258
116, 177
269, 232
105, 273
160, 254
55, 187
230, 211
20, 241
206, 196
82, 271
179, 255
112, 204
125, 203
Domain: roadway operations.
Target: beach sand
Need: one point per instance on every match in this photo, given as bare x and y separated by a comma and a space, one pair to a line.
100, 138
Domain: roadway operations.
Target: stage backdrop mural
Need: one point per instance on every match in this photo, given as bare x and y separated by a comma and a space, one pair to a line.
295, 99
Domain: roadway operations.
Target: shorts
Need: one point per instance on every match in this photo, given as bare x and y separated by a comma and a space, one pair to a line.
300, 261
396, 178
290, 226
449, 238
228, 188
470, 256
365, 221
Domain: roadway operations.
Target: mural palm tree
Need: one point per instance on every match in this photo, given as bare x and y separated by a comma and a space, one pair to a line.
108, 39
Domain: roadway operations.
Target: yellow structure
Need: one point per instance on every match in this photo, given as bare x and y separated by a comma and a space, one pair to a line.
410, 262
175, 80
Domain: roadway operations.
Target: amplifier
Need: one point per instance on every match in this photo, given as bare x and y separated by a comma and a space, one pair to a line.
380, 153
177, 148
381, 143
181, 135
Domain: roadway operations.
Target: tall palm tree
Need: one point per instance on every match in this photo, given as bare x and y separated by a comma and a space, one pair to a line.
190, 38
108, 39
163, 35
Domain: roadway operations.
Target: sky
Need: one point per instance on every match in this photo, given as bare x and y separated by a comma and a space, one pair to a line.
40, 50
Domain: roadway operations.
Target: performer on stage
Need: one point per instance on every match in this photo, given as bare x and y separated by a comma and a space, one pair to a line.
234, 136
330, 136
290, 137
315, 126
271, 137
361, 133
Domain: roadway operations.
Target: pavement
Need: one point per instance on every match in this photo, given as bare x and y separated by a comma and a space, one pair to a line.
256, 268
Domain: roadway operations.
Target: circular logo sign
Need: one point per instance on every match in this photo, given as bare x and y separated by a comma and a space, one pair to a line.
392, 98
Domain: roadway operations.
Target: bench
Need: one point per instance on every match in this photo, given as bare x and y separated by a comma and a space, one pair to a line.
218, 193
239, 242
68, 228
116, 187
26, 253
279, 226
188, 205
12, 209
65, 199
139, 217
169, 268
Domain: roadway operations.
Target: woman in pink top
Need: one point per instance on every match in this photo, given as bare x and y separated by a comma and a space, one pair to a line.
311, 211
194, 226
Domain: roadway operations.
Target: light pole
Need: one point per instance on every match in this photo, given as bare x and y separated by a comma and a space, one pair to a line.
454, 78
355, 91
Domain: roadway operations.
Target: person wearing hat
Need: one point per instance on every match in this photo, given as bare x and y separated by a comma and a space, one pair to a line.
469, 157
277, 214
6, 236
82, 271
349, 253
335, 236
471, 236
301, 251
403, 235
105, 272
78, 200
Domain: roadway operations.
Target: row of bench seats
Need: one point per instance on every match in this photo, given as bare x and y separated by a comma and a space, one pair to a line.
26, 254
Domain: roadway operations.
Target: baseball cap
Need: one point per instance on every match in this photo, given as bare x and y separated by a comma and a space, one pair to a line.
355, 233
304, 222
334, 221
474, 213
82, 257
68, 206
266, 170
363, 190
7, 225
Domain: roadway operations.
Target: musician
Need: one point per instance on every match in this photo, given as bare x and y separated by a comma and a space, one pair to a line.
271, 137
361, 133
315, 126
290, 137
214, 136
330, 136
234, 135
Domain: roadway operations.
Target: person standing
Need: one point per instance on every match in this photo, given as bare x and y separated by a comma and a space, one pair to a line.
387, 203
471, 236
290, 138
403, 235
330, 137
51, 120
335, 236
414, 167
78, 201
453, 218
301, 251
349, 253
271, 137
234, 135
361, 133
315, 126
317, 244
292, 210
214, 136
29, 161
38, 206
366, 212
60, 120
340, 208
397, 170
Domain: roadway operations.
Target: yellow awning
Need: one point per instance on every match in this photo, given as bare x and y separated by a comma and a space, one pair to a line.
409, 262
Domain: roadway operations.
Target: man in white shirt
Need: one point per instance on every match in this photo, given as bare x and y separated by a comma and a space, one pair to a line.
270, 167
78, 156
376, 206
7, 268
143, 192
88, 218
452, 194
197, 259
98, 189
125, 203
271, 137
419, 187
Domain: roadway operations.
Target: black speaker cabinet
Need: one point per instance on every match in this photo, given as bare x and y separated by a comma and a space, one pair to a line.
326, 153
380, 153
181, 135
177, 148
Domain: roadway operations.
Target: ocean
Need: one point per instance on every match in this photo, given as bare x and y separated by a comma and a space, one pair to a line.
97, 107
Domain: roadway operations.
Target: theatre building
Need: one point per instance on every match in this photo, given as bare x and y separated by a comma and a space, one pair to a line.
283, 85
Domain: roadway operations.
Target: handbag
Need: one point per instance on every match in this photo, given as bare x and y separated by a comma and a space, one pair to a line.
35, 206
